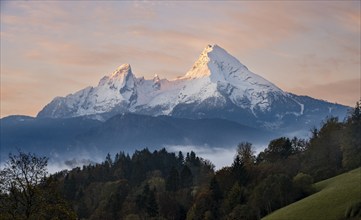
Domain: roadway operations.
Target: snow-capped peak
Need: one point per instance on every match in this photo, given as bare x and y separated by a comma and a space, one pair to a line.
215, 80
156, 78
119, 77
212, 58
121, 70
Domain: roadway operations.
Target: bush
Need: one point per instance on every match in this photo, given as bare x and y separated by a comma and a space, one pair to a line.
303, 185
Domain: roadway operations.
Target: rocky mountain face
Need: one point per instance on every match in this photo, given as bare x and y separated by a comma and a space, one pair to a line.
217, 86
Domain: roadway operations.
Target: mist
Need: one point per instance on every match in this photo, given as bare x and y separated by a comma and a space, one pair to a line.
220, 157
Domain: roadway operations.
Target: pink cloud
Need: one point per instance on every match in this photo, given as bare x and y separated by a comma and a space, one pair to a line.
346, 92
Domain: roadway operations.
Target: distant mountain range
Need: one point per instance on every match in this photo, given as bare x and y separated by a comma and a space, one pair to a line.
217, 86
218, 102
70, 137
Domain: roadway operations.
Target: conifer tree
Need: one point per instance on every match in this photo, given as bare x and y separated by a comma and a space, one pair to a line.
172, 182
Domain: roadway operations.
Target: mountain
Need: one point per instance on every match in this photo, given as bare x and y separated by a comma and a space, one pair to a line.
58, 137
131, 130
217, 86
45, 136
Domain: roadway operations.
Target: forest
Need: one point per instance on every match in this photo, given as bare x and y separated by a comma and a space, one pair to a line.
167, 185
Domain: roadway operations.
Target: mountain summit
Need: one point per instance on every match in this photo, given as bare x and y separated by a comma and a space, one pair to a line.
217, 86
210, 61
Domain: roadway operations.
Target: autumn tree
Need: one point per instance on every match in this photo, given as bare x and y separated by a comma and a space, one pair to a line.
278, 149
243, 162
246, 154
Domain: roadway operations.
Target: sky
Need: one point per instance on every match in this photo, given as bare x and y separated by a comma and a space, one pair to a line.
54, 48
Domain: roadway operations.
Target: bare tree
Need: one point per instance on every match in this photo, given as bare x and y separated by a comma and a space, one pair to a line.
19, 181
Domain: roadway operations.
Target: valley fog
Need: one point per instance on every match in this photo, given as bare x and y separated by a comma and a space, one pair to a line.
218, 156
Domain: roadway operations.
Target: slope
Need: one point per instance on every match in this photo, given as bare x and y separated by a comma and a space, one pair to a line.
334, 196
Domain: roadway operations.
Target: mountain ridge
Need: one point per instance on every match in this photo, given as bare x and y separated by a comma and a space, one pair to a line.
216, 86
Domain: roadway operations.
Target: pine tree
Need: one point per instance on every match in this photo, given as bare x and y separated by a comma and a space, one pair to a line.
180, 157
186, 177
172, 182
152, 205
351, 142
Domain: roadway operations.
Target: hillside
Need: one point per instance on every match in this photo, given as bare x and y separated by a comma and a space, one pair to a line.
182, 186
334, 196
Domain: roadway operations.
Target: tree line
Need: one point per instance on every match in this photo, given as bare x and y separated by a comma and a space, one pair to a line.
167, 185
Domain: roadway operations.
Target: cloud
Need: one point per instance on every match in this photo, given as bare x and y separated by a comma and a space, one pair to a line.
262, 27
23, 92
346, 92
71, 54
112, 55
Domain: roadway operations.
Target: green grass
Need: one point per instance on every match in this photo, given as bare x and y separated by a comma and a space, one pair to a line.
330, 202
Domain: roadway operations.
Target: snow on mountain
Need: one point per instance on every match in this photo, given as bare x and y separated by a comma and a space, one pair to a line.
233, 78
217, 85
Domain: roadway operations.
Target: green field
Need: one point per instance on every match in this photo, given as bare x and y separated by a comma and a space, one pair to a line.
330, 202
